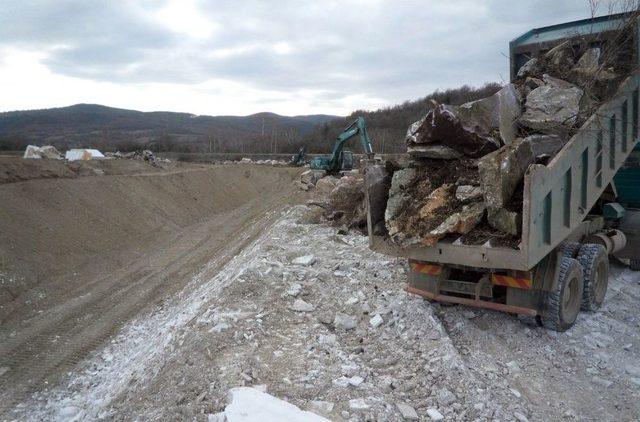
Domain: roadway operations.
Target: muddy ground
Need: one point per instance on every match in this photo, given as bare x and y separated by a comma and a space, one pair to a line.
281, 301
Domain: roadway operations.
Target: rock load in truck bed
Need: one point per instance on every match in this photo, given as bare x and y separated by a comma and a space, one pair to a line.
467, 163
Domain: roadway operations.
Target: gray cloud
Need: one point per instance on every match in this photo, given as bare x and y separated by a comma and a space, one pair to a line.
392, 50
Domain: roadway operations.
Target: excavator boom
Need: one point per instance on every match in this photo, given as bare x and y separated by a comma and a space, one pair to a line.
334, 162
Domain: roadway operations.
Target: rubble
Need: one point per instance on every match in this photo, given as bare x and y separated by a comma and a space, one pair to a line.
435, 415
408, 413
300, 305
344, 322
47, 151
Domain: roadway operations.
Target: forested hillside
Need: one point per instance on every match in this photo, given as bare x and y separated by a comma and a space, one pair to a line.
111, 129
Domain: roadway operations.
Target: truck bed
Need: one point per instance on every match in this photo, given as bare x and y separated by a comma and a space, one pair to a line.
557, 196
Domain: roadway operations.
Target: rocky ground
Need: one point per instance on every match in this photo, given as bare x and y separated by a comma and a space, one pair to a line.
317, 319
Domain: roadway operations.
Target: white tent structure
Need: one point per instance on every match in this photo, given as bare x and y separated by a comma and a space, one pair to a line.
83, 154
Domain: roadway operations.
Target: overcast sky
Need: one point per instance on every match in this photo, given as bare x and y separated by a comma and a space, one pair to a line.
244, 56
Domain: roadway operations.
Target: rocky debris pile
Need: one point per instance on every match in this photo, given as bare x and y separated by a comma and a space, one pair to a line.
341, 199
47, 151
143, 155
247, 160
468, 162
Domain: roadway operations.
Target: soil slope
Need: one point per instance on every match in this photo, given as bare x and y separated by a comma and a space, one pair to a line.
80, 256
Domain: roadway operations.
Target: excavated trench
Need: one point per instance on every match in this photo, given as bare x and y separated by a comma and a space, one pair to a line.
80, 256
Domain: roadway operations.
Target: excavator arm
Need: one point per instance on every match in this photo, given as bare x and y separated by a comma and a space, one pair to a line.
333, 163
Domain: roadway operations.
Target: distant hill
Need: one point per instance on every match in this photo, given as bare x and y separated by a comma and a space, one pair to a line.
110, 128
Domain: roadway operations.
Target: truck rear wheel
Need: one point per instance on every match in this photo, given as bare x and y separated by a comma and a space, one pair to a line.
595, 274
570, 249
563, 304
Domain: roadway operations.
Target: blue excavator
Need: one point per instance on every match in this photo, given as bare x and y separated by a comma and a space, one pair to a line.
342, 160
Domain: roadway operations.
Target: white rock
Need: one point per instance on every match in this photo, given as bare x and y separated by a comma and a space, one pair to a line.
305, 260
294, 290
445, 397
602, 382
633, 370
342, 382
356, 380
344, 321
515, 392
250, 405
520, 417
407, 412
327, 339
216, 417
220, 327
435, 415
513, 366
376, 321
320, 407
358, 404
300, 305
3, 370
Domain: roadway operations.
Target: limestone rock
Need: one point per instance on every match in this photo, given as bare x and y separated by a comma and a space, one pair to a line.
589, 60
311, 177
300, 305
447, 125
532, 67
561, 56
408, 413
439, 152
344, 322
461, 222
506, 221
398, 197
305, 260
545, 144
501, 172
468, 193
551, 109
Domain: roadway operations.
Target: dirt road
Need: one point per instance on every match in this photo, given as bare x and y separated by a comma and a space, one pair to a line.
82, 256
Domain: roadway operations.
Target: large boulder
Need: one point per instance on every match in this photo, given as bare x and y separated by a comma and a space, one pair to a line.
561, 56
530, 68
506, 221
545, 144
501, 172
552, 108
447, 132
398, 196
448, 126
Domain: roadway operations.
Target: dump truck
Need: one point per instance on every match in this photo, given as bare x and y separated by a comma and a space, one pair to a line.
578, 209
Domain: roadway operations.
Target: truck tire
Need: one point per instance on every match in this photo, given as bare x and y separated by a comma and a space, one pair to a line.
570, 249
563, 303
595, 275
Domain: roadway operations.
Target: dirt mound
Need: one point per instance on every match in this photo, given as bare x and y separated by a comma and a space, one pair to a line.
79, 257
14, 169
